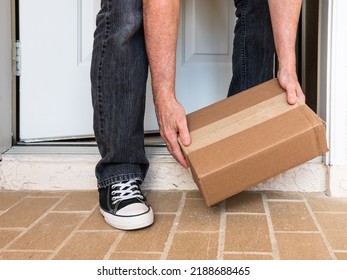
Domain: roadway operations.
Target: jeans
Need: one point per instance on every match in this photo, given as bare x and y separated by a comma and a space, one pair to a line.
119, 73
254, 48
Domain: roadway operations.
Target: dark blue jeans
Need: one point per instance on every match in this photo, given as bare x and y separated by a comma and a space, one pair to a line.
119, 73
254, 48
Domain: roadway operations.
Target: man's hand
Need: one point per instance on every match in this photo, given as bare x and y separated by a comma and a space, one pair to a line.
289, 81
173, 124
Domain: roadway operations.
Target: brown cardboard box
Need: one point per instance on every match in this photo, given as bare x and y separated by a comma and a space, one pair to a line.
248, 138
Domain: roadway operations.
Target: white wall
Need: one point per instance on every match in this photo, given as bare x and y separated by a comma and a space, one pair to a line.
5, 75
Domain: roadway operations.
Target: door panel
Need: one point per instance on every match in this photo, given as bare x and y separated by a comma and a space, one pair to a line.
206, 30
205, 51
57, 38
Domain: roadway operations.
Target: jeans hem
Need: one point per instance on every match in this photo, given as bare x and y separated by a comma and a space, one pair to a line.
118, 178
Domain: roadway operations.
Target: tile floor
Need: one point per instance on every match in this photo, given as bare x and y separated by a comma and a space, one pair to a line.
251, 225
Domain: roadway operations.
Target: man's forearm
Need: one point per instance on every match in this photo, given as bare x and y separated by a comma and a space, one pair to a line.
161, 18
161, 30
285, 17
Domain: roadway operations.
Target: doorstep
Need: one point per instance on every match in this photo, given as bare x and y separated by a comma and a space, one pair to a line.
72, 168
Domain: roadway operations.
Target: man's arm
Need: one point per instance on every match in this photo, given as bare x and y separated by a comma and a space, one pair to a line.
161, 19
285, 17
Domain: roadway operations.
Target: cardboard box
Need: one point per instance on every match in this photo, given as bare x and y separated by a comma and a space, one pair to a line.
249, 138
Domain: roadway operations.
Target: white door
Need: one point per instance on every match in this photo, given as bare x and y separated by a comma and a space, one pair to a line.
57, 36
56, 41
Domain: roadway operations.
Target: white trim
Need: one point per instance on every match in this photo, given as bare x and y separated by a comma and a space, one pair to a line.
332, 77
338, 116
332, 90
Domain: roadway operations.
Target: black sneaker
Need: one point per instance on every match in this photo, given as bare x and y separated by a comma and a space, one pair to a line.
124, 206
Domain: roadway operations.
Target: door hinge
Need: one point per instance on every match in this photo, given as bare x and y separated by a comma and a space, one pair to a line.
16, 58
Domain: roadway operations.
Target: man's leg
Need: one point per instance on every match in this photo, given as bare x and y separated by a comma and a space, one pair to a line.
254, 48
118, 74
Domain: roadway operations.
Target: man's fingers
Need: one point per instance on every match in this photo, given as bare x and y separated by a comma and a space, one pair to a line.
294, 95
291, 96
289, 81
175, 149
173, 124
178, 155
184, 134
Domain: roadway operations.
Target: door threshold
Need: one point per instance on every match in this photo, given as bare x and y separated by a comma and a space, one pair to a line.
154, 146
151, 151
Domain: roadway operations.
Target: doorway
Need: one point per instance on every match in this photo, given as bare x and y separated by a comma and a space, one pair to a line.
54, 93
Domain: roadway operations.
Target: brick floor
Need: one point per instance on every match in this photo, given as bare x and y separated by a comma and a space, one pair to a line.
249, 226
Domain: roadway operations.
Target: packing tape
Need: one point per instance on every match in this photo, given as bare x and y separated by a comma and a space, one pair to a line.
238, 122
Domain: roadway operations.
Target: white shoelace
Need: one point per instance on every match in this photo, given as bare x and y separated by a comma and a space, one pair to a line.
127, 190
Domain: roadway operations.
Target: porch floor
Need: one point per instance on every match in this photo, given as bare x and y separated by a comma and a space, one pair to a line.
251, 225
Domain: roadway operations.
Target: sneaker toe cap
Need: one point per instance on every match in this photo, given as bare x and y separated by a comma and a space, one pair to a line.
133, 209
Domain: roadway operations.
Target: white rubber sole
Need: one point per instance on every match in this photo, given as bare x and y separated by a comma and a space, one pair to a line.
129, 223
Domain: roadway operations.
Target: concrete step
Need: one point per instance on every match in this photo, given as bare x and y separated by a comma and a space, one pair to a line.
72, 168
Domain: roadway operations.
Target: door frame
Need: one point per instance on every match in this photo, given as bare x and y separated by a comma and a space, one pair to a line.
332, 73
332, 100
